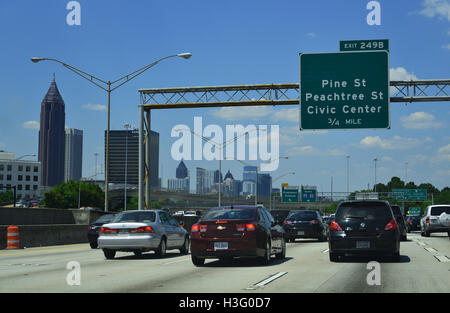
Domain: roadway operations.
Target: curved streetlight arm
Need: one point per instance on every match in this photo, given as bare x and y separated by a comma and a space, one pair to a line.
77, 71
280, 177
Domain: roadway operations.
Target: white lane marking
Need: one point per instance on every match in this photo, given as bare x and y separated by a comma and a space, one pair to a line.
270, 279
442, 258
178, 261
325, 251
431, 250
421, 243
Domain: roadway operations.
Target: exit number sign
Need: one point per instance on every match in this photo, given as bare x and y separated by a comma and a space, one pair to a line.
364, 45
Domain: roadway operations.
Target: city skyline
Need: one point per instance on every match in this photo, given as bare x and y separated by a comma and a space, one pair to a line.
418, 134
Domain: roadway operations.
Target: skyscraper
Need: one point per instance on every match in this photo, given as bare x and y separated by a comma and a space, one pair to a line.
124, 146
52, 137
74, 154
182, 171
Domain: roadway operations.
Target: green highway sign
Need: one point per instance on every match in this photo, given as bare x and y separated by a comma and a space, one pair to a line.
309, 194
289, 194
413, 211
364, 45
409, 194
344, 90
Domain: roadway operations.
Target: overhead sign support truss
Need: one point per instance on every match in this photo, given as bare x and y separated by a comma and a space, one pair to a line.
251, 95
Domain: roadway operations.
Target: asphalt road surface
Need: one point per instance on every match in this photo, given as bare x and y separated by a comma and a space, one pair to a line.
424, 266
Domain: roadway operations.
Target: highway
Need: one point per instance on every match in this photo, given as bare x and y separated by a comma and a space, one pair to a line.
424, 267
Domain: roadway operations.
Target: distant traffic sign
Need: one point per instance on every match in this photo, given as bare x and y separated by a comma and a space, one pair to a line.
344, 90
289, 194
309, 194
413, 211
409, 194
364, 45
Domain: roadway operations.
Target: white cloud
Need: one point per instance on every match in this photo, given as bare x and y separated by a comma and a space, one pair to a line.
439, 8
444, 149
447, 46
395, 143
400, 73
95, 107
290, 115
420, 120
310, 150
242, 113
386, 159
31, 125
311, 34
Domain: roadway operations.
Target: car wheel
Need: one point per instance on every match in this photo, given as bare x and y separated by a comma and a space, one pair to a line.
448, 233
197, 261
109, 254
426, 234
282, 254
265, 260
185, 248
334, 257
161, 250
93, 245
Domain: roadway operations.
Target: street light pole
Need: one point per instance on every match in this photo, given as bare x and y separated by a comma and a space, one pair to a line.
375, 185
348, 157
127, 127
276, 179
107, 86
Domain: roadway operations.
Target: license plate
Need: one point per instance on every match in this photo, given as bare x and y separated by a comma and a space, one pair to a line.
300, 233
363, 244
220, 245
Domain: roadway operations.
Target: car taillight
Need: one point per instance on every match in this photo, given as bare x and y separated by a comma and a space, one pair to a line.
250, 227
409, 222
143, 229
313, 222
335, 226
90, 228
391, 225
203, 228
108, 230
427, 220
195, 228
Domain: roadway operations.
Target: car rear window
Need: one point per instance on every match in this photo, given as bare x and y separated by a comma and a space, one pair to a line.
367, 211
104, 218
396, 210
436, 211
135, 217
234, 214
303, 215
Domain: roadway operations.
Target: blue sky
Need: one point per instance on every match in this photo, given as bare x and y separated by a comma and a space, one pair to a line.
232, 42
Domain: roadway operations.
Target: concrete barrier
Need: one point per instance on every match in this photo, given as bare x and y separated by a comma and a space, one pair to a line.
41, 216
46, 235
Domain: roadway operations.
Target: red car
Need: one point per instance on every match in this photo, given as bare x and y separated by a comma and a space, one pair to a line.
237, 231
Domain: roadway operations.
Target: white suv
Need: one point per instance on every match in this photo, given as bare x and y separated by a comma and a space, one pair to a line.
436, 219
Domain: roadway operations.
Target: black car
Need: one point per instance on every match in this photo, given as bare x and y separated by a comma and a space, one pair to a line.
305, 224
413, 223
279, 215
237, 232
94, 228
364, 228
400, 221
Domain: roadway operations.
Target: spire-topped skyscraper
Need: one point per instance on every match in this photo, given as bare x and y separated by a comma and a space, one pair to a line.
52, 137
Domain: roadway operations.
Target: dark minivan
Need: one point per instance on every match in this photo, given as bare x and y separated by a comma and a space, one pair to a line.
237, 231
364, 228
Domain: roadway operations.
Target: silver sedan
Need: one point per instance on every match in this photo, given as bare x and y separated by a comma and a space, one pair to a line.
142, 231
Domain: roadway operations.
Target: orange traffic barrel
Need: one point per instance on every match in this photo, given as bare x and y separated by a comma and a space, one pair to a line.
13, 237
